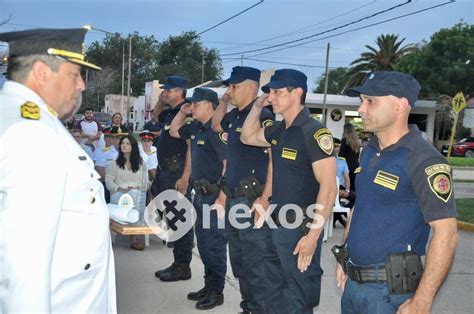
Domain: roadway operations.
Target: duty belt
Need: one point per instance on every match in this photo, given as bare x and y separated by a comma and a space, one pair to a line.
234, 192
367, 274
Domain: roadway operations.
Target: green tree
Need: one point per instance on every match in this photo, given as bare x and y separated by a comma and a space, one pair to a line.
337, 81
444, 65
384, 57
183, 55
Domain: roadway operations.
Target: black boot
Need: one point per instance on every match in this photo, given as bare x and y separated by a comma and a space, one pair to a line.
198, 295
167, 269
210, 301
178, 272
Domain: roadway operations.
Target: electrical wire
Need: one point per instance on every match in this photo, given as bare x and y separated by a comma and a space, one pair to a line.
230, 18
321, 33
356, 29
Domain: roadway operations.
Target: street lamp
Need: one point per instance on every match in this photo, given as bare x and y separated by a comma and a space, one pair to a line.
89, 27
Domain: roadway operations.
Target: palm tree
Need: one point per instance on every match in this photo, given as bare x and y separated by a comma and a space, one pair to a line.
382, 58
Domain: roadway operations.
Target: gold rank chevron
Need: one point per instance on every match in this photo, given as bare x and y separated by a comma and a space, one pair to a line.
387, 180
288, 153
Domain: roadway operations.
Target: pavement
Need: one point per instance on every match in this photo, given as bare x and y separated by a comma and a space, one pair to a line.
138, 291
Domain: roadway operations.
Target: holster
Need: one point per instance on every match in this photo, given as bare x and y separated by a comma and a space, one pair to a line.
342, 255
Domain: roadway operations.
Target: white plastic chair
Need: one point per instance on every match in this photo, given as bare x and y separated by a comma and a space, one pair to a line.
328, 227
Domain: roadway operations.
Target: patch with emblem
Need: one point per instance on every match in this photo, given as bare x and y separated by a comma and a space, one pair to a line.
274, 142
267, 122
324, 139
289, 153
167, 127
388, 180
201, 142
188, 120
239, 130
193, 137
358, 170
30, 110
439, 180
223, 137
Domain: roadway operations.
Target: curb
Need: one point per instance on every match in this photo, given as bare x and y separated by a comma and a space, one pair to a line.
465, 226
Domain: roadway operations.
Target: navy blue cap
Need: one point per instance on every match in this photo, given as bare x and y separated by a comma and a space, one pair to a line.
204, 94
385, 83
286, 78
67, 44
240, 74
175, 81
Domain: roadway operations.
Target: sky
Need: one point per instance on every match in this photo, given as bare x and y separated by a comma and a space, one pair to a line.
272, 22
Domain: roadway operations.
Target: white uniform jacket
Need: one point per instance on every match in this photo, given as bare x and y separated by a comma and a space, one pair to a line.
58, 251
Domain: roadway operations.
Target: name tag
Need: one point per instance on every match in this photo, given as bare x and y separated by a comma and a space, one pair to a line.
239, 130
288, 153
201, 142
387, 180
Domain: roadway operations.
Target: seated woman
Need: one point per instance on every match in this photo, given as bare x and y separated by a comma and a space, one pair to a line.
128, 173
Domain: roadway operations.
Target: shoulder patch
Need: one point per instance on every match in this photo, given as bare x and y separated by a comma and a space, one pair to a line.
267, 122
358, 170
188, 120
324, 139
30, 110
439, 180
223, 137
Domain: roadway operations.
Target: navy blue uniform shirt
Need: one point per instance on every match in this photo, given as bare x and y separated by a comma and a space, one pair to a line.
167, 145
400, 189
244, 160
294, 149
207, 150
153, 127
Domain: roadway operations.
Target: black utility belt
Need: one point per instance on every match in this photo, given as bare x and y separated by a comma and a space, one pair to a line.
204, 187
401, 271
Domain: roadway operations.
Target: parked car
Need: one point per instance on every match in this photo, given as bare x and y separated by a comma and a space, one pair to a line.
103, 118
464, 147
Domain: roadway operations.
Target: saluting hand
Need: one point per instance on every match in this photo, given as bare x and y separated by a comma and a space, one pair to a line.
262, 101
187, 108
305, 249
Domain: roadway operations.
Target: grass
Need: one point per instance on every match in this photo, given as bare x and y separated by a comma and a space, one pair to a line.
461, 162
465, 209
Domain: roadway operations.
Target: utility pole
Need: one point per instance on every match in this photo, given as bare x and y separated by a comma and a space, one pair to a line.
326, 86
123, 72
129, 76
242, 60
202, 72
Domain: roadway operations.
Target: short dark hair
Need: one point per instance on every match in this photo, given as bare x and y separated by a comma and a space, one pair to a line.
88, 109
303, 96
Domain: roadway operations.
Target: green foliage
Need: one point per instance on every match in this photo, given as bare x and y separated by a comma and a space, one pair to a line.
465, 208
461, 162
151, 60
384, 57
183, 55
442, 65
337, 81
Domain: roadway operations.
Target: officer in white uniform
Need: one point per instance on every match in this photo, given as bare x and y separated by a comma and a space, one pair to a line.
58, 251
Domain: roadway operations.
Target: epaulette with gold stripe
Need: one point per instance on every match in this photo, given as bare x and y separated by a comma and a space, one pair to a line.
30, 110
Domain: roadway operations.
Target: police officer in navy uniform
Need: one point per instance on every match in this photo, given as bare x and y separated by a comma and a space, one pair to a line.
56, 223
404, 189
304, 174
208, 159
246, 166
174, 173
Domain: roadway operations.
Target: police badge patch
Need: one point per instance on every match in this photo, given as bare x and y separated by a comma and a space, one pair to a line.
30, 110
324, 139
439, 180
223, 137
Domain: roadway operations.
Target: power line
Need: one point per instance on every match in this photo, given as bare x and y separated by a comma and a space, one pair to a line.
230, 18
307, 28
321, 33
287, 63
356, 29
